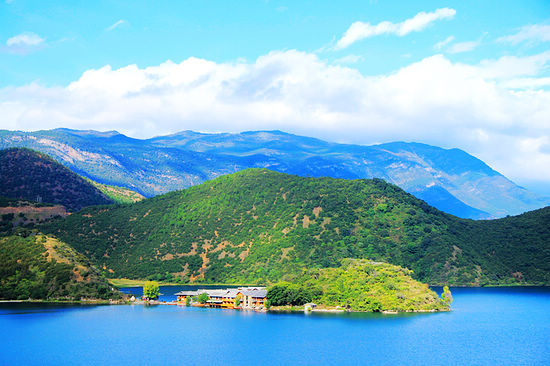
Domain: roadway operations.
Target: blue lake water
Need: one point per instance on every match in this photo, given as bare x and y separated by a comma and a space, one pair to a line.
488, 326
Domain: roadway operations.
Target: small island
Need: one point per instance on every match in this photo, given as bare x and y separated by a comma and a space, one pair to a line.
358, 285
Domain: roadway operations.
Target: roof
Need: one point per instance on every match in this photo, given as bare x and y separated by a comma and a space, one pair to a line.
212, 292
232, 292
255, 293
186, 293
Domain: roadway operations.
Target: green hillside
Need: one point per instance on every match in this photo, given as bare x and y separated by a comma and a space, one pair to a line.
42, 267
33, 176
257, 226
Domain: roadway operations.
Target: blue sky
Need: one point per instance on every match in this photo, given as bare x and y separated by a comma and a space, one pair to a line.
77, 36
467, 74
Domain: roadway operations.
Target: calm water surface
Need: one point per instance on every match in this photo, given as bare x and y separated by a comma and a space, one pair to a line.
488, 326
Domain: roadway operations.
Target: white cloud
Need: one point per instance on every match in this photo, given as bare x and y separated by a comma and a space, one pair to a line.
349, 59
23, 43
434, 100
116, 24
508, 67
529, 33
27, 39
527, 83
359, 30
439, 45
461, 47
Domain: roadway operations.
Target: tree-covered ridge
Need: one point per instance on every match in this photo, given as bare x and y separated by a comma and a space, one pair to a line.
358, 285
33, 176
255, 226
41, 267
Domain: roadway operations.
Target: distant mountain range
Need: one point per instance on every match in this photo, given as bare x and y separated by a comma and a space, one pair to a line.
449, 179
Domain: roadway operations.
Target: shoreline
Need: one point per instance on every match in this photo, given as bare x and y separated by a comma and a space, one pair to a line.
291, 309
124, 282
340, 311
80, 302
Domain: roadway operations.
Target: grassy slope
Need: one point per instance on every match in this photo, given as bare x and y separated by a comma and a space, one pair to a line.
118, 194
255, 226
42, 267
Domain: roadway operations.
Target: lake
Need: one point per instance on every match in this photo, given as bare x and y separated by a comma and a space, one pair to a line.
488, 326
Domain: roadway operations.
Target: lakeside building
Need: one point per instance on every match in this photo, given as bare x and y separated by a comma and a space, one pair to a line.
250, 297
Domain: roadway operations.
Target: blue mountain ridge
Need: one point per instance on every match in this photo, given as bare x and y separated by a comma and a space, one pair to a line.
449, 179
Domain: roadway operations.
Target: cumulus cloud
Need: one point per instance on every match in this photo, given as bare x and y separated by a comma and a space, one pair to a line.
433, 100
116, 24
359, 30
527, 83
529, 33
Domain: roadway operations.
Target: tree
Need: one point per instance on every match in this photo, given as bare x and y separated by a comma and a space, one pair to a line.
203, 298
150, 290
237, 301
446, 296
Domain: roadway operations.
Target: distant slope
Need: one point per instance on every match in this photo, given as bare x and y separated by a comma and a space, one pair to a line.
449, 179
118, 194
42, 267
33, 176
258, 225
444, 201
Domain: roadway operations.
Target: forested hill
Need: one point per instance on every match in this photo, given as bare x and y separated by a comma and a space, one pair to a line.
33, 176
257, 225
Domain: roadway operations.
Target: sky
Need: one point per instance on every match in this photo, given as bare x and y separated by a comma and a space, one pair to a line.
468, 74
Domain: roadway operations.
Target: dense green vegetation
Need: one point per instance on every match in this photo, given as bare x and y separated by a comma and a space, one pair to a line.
151, 290
287, 293
202, 298
359, 285
256, 226
34, 266
33, 176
